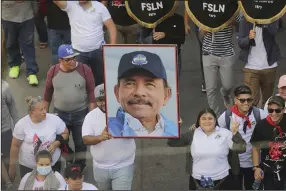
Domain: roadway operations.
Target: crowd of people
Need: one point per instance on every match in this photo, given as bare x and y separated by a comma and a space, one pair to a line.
240, 146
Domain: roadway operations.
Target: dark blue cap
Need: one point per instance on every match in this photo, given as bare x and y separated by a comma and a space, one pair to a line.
142, 59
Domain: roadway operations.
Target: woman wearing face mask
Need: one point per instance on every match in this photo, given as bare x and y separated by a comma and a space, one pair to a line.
42, 177
207, 152
36, 131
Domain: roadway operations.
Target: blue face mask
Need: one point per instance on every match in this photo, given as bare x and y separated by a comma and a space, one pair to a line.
44, 170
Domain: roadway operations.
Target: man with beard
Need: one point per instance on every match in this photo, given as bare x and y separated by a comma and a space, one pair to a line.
113, 159
269, 146
247, 117
142, 90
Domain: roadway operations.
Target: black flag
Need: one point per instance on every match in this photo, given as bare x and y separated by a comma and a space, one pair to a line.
212, 15
149, 13
262, 11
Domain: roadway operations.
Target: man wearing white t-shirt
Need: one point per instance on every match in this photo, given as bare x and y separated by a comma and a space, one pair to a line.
87, 19
113, 159
260, 53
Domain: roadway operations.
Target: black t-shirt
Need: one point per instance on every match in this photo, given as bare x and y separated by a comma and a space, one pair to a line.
273, 157
57, 19
119, 13
174, 29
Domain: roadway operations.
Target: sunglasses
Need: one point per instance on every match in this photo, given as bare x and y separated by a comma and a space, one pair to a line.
276, 110
249, 100
69, 59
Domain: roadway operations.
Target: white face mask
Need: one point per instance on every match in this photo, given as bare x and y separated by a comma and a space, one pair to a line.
44, 170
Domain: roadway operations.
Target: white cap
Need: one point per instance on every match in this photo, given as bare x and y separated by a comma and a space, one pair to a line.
99, 91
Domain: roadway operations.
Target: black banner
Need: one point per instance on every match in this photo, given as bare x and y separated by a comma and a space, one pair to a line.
150, 13
262, 11
212, 15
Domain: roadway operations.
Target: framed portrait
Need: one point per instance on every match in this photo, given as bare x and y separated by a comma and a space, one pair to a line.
141, 88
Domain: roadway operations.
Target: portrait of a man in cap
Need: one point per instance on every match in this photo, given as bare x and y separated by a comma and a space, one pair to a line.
142, 91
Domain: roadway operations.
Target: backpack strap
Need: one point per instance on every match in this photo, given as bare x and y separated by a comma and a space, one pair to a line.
54, 67
83, 70
228, 114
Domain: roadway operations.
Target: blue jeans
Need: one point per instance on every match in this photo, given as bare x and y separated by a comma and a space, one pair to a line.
114, 179
56, 39
74, 121
41, 27
21, 36
94, 60
201, 54
6, 137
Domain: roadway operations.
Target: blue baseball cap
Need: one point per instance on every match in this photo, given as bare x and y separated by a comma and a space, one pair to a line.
142, 59
66, 51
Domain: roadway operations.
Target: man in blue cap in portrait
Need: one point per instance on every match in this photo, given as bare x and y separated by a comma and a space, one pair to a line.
142, 90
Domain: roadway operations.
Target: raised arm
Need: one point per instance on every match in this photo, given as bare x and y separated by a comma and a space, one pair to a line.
239, 144
183, 141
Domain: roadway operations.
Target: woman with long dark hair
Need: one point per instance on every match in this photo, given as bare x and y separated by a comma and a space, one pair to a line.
207, 152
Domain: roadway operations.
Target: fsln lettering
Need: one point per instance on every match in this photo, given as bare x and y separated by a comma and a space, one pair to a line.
152, 6
214, 8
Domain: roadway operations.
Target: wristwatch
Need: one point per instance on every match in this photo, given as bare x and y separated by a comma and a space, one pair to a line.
255, 167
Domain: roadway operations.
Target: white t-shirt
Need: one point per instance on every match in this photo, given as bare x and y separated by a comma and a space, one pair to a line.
110, 154
87, 25
39, 185
257, 58
85, 186
266, 105
41, 134
246, 157
140, 130
210, 153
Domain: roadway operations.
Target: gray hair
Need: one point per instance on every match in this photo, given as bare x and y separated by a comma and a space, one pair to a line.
31, 101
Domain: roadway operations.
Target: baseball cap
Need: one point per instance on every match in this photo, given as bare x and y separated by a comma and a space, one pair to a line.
282, 81
99, 91
277, 100
73, 171
142, 59
66, 51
